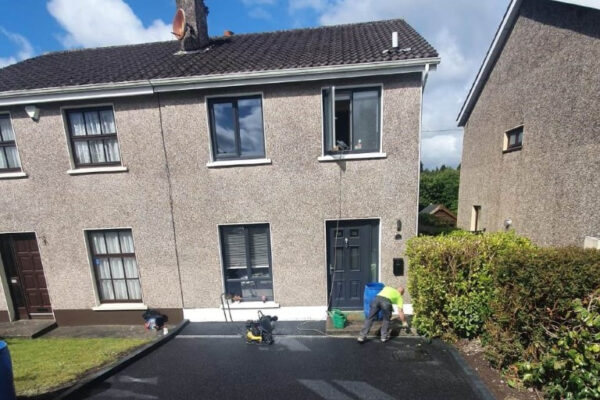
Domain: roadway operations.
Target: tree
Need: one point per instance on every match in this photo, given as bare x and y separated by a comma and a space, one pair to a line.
440, 186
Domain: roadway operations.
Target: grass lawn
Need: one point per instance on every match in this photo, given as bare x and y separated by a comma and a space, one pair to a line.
41, 365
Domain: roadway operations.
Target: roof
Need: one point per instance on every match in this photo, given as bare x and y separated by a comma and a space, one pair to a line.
329, 46
434, 208
429, 209
502, 35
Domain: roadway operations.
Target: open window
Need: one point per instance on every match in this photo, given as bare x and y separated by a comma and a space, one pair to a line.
352, 120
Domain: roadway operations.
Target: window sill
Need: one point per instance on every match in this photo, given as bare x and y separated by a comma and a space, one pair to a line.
121, 307
238, 163
13, 175
357, 156
512, 150
99, 170
252, 305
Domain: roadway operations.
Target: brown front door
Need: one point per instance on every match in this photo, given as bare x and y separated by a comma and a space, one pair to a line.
25, 275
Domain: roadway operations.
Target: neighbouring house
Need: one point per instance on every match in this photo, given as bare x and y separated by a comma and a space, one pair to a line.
440, 212
436, 219
531, 152
278, 167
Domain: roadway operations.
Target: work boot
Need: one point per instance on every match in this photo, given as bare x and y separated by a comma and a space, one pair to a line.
361, 339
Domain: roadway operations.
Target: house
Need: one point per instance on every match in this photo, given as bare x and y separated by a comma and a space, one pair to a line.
274, 167
531, 126
440, 212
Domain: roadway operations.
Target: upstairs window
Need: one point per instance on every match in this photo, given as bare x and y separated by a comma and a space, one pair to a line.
236, 126
9, 157
514, 139
352, 120
93, 136
247, 262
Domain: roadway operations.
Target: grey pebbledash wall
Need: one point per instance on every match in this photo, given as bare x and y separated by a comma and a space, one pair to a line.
295, 194
546, 79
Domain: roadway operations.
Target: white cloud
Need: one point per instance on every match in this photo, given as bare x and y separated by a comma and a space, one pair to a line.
25, 49
461, 30
95, 23
259, 13
441, 149
318, 5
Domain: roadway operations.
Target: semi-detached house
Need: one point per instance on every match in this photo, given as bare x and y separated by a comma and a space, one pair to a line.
279, 167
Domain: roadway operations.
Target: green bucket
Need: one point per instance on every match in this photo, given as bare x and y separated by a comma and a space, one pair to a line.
338, 318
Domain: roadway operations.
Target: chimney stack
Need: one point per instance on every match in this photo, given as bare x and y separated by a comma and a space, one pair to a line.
196, 29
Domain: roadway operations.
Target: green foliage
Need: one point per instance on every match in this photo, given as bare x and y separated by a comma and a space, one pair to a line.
531, 306
534, 293
571, 367
432, 225
439, 186
450, 280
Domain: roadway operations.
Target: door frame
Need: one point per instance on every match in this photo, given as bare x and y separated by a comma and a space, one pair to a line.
4, 279
326, 249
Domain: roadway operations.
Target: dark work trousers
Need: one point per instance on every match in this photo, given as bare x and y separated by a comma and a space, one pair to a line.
385, 306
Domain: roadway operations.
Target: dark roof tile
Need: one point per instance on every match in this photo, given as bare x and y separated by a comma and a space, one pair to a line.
300, 48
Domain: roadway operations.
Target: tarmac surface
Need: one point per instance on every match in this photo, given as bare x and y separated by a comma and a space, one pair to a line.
199, 364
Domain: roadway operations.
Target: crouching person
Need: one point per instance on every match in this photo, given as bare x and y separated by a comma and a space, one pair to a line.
384, 302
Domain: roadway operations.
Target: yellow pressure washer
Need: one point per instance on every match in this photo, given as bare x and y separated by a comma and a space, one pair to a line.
261, 330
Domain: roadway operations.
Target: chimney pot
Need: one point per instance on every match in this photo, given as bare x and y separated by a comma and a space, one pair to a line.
395, 40
196, 32
228, 33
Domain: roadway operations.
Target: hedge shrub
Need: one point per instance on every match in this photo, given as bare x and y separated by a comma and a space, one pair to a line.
570, 369
534, 295
525, 302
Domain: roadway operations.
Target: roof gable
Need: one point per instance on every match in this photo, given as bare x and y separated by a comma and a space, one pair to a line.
500, 39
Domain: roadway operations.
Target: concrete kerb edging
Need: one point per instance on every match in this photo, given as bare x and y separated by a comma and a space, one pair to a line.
112, 369
474, 379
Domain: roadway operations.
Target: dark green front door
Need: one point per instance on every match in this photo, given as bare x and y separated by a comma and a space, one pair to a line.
352, 261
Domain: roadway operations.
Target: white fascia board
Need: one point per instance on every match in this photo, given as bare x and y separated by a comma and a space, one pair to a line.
84, 92
490, 59
293, 75
139, 88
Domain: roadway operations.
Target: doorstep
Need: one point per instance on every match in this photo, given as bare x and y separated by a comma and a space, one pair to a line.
355, 323
26, 329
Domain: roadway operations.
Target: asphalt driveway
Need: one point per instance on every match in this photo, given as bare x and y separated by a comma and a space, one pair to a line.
196, 366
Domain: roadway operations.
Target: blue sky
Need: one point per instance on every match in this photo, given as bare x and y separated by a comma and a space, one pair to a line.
461, 30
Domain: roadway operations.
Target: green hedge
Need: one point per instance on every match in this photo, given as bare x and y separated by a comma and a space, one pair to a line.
517, 297
451, 280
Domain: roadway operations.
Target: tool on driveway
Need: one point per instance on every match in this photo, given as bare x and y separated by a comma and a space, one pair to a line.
154, 320
261, 330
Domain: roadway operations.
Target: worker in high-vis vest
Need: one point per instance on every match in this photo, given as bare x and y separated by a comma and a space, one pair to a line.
384, 302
